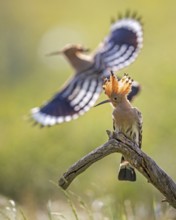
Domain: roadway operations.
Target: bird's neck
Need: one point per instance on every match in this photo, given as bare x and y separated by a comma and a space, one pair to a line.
122, 116
123, 104
79, 61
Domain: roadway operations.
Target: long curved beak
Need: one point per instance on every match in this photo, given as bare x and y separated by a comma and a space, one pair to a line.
54, 53
103, 102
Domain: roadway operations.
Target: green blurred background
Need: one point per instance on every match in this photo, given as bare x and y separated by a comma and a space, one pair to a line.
29, 156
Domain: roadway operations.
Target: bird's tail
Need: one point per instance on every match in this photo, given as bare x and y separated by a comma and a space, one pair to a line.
126, 171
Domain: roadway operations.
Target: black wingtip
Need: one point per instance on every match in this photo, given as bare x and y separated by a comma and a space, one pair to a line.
112, 20
134, 15
119, 16
129, 14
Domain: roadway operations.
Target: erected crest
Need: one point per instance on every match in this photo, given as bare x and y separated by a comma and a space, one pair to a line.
115, 86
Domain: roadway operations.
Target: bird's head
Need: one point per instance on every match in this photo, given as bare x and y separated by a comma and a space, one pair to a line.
115, 89
74, 48
70, 49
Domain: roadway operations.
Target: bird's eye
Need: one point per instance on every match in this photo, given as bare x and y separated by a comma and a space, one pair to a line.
115, 98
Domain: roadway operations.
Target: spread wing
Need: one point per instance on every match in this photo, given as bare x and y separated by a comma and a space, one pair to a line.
123, 44
76, 98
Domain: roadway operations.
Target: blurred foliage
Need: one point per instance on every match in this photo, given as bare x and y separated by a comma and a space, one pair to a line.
29, 156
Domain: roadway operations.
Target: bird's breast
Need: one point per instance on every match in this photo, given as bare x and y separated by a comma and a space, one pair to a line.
125, 122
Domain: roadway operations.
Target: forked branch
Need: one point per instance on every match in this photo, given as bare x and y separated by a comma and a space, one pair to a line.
143, 163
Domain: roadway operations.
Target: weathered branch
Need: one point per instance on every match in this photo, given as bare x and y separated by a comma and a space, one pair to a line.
143, 163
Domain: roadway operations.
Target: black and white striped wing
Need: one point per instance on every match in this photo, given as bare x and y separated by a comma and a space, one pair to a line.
76, 98
122, 46
139, 127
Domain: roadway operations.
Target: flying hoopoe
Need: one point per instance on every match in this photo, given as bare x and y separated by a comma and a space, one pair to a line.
126, 119
119, 49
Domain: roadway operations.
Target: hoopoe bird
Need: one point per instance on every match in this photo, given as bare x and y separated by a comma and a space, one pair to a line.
119, 49
126, 119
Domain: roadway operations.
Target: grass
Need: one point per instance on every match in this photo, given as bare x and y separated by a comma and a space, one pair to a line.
74, 208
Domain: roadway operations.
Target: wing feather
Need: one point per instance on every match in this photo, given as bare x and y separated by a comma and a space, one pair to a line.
79, 95
121, 47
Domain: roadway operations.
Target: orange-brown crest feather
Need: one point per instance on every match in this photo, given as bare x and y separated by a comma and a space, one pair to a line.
115, 86
111, 85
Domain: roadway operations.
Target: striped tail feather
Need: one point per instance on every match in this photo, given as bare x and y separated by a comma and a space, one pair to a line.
126, 171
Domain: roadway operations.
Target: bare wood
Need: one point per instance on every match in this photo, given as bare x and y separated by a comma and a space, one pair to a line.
143, 163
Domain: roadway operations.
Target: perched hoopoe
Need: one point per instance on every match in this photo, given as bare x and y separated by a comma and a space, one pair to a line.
126, 119
119, 49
